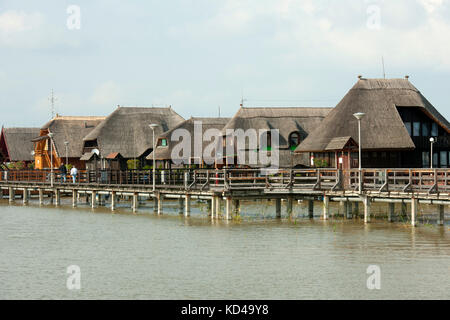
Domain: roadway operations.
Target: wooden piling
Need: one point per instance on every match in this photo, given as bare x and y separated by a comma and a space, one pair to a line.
57, 197
391, 212
289, 204
310, 209
25, 196
74, 198
228, 209
135, 202
113, 200
41, 197
12, 194
278, 208
414, 207
367, 205
441, 215
325, 207
93, 199
348, 213
180, 205
160, 198
187, 205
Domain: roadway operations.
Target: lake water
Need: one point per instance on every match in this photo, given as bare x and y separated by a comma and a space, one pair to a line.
145, 256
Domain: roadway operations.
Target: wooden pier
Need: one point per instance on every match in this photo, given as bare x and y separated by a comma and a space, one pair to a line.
401, 186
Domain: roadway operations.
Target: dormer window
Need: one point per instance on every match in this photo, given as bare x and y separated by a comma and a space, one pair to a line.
294, 140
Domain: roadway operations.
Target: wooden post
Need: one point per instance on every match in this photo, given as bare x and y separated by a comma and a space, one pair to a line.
155, 203
310, 209
113, 200
135, 202
278, 208
391, 212
345, 209
236, 207
325, 207
160, 203
403, 210
41, 197
213, 206
356, 210
25, 196
93, 199
348, 212
414, 207
57, 197
289, 203
441, 215
180, 205
187, 205
12, 194
228, 209
74, 198
366, 201
217, 206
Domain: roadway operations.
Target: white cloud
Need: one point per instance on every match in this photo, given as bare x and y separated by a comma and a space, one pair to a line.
431, 5
14, 25
108, 93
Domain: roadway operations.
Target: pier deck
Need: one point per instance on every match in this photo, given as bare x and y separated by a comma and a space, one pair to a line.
414, 186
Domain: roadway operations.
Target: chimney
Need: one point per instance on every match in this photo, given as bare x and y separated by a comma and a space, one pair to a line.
406, 77
359, 77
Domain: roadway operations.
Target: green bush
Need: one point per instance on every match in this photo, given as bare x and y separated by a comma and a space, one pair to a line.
319, 163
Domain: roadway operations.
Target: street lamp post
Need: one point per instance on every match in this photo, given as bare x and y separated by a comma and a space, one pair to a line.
432, 141
50, 135
359, 116
153, 126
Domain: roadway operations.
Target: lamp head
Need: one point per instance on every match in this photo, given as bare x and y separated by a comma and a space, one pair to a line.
66, 143
153, 125
359, 115
432, 140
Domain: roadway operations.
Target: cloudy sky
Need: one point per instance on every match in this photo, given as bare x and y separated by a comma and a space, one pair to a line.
197, 55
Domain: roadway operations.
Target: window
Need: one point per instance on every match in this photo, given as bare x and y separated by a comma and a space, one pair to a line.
408, 127
265, 140
162, 142
425, 159
425, 129
434, 129
294, 140
416, 129
443, 159
435, 159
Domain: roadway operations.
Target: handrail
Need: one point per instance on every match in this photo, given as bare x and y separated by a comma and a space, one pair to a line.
380, 180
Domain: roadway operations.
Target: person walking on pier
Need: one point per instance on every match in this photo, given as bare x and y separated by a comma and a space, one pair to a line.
73, 173
63, 171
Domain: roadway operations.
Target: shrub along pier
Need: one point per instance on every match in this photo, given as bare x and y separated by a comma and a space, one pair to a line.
352, 187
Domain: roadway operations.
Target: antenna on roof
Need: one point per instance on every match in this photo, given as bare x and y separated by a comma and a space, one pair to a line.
382, 63
52, 100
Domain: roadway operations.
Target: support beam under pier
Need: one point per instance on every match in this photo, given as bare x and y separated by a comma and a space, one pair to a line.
74, 198
113, 200
311, 209
391, 212
41, 197
57, 197
12, 194
26, 194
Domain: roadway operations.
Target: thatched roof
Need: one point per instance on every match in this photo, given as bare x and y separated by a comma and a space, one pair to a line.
382, 126
18, 143
127, 130
72, 130
164, 152
340, 143
285, 119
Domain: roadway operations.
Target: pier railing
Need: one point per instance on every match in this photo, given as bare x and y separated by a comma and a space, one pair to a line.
401, 180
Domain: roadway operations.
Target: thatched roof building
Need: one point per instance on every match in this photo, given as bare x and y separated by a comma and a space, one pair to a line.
165, 145
387, 104
71, 129
126, 131
16, 144
294, 125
